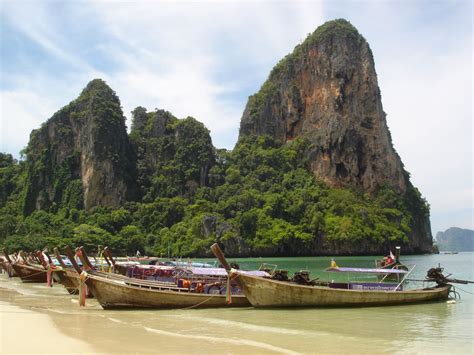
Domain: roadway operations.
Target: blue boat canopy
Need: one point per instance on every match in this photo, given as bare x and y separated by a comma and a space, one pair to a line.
366, 271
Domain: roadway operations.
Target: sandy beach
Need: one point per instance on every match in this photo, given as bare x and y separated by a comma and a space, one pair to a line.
24, 331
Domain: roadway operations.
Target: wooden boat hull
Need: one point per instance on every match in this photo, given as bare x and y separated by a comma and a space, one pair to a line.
30, 273
117, 293
70, 280
262, 292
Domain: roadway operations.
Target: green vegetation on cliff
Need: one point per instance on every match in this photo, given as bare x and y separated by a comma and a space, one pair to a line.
170, 149
164, 189
261, 200
83, 144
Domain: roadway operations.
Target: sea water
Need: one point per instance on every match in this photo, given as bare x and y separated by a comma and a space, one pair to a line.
442, 327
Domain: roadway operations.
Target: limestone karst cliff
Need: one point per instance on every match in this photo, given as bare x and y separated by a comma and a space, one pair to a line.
327, 90
314, 171
81, 157
455, 239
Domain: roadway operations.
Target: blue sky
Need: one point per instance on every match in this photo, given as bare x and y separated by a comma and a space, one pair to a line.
203, 59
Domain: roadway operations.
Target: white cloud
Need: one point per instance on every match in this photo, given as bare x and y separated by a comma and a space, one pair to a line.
20, 112
423, 57
428, 101
203, 58
169, 55
173, 53
35, 21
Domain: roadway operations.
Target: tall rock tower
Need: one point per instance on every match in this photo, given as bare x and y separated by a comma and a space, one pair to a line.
327, 90
81, 157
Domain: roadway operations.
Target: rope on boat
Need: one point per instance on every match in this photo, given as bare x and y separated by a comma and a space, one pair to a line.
471, 293
34, 274
49, 274
200, 303
228, 296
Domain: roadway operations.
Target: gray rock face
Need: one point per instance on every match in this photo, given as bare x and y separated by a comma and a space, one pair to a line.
327, 90
455, 239
83, 153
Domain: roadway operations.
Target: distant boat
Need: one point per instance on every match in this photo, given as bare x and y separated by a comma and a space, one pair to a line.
27, 267
391, 262
449, 252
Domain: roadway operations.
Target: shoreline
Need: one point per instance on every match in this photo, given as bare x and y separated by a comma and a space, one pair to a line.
27, 331
39, 319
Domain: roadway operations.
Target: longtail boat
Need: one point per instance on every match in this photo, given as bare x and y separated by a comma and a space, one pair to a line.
67, 275
27, 268
117, 291
391, 262
68, 278
61, 273
266, 292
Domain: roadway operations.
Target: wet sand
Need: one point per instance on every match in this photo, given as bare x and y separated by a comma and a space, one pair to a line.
51, 321
24, 331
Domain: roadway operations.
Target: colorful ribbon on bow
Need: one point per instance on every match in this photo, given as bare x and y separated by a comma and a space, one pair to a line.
83, 288
49, 274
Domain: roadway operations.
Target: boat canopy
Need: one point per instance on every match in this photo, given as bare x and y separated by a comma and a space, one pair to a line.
151, 267
221, 272
188, 264
366, 271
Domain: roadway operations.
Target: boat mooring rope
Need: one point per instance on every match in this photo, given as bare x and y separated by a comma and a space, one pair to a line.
454, 292
214, 295
34, 274
459, 288
200, 303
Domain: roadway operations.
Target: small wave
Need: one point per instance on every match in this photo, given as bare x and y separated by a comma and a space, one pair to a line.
223, 340
116, 320
252, 327
54, 310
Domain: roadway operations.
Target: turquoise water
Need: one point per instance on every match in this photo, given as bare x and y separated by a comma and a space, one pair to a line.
441, 328
460, 265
